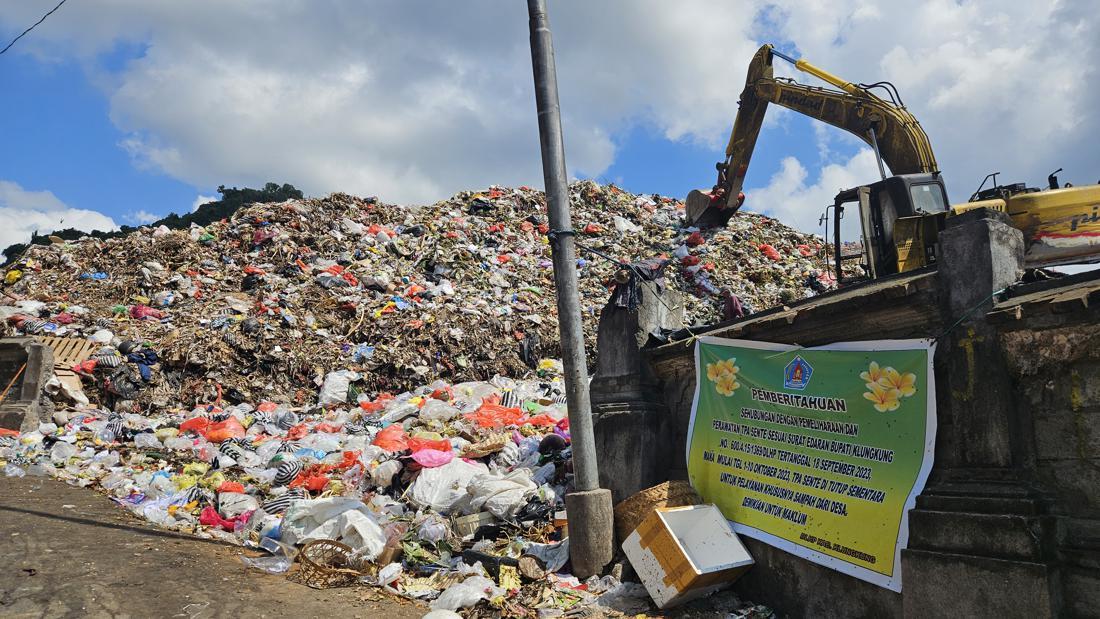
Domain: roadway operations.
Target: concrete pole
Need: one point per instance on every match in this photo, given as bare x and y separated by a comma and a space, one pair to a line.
589, 507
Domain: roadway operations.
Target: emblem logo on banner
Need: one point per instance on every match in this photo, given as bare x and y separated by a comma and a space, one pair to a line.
797, 374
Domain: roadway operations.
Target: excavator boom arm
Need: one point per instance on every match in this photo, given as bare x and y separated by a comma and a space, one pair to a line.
901, 141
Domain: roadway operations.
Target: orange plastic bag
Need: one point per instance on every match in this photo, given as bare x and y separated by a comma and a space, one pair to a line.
418, 444
542, 420
490, 415
230, 486
392, 438
222, 430
314, 483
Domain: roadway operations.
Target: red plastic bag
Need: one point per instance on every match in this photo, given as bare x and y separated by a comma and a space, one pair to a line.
391, 438
310, 481
198, 425
210, 518
142, 312
297, 432
378, 404
419, 444
267, 407
769, 251
222, 430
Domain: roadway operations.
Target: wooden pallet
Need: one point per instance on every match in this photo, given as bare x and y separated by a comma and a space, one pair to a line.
67, 352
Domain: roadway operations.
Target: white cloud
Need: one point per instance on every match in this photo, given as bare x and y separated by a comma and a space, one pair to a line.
412, 102
200, 200
796, 200
24, 212
141, 217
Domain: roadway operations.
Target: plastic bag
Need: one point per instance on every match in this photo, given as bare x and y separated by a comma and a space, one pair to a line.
490, 415
502, 496
438, 410
335, 388
198, 425
466, 594
431, 458
382, 475
418, 444
442, 488
391, 438
222, 430
433, 529
339, 518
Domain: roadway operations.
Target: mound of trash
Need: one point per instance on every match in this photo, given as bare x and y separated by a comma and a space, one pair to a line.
363, 392
264, 305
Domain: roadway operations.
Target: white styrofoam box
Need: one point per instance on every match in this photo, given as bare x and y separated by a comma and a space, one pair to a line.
683, 553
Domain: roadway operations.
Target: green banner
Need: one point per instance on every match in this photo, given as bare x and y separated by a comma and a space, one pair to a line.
818, 451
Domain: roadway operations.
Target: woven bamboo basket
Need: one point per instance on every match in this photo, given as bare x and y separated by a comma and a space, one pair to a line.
631, 512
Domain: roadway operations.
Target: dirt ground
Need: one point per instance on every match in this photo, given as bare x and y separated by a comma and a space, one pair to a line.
70, 552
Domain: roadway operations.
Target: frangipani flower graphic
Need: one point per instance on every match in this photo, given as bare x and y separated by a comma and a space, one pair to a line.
904, 383
724, 376
884, 399
726, 385
887, 386
872, 375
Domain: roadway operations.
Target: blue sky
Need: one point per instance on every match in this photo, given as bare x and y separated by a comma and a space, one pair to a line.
61, 139
118, 112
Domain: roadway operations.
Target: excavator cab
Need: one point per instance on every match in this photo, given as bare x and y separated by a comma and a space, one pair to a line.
900, 219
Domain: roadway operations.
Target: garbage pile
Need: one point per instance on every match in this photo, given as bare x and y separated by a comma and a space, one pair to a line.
451, 494
363, 392
266, 304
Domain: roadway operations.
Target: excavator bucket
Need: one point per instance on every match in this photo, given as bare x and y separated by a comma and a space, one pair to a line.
704, 210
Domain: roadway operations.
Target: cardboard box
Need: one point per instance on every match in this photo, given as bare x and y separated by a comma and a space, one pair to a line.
683, 553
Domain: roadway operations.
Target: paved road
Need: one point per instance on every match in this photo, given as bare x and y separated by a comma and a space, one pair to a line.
70, 552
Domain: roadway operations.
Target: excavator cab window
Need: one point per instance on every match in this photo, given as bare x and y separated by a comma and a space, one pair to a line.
928, 198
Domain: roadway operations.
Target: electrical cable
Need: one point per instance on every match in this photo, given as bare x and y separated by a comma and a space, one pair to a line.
33, 26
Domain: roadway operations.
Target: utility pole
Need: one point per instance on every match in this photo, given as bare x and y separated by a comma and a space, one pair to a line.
589, 507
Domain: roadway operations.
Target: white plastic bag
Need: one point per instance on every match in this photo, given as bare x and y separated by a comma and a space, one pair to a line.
335, 388
343, 519
438, 410
466, 593
443, 487
501, 495
233, 504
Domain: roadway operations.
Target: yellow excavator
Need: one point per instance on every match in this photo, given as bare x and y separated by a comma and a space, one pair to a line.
900, 215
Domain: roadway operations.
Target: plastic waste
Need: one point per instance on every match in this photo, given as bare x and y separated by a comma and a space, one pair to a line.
343, 519
466, 594
501, 496
335, 388
442, 488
